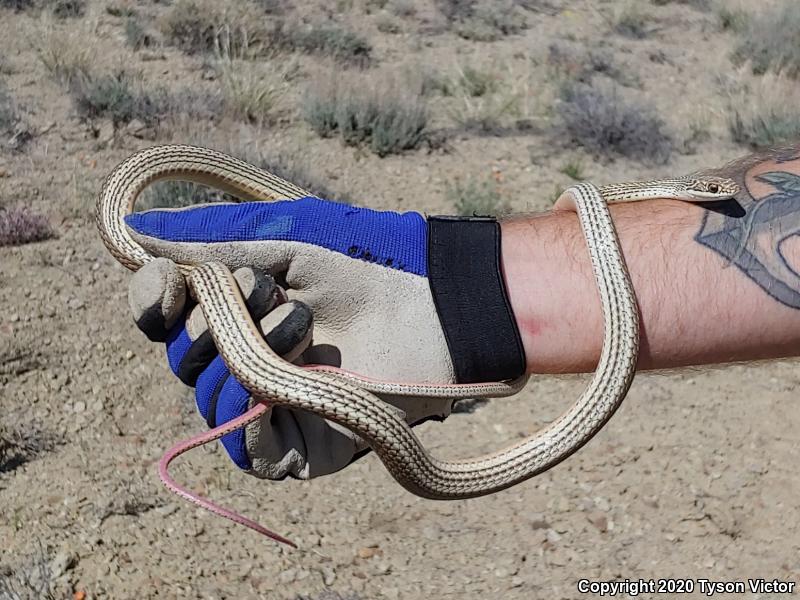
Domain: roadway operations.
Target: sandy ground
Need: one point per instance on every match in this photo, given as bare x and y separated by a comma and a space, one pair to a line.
693, 478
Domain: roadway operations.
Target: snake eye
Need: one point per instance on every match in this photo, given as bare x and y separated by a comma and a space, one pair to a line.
713, 188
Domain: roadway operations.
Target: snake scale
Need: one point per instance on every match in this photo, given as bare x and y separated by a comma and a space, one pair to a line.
350, 400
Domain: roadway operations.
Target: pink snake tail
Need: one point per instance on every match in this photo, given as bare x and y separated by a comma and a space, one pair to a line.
201, 440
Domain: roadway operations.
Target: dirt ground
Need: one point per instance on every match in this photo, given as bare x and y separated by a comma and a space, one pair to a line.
695, 477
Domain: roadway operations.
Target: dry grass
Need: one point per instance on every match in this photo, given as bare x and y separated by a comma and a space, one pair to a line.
765, 111
768, 40
64, 52
255, 92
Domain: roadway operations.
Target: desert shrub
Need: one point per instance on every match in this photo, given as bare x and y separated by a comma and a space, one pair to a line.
274, 7
120, 10
477, 197
382, 117
570, 62
598, 119
698, 4
17, 5
631, 22
386, 23
190, 27
764, 113
233, 30
118, 97
328, 39
67, 9
732, 18
402, 8
136, 34
483, 21
65, 53
769, 40
254, 93
20, 225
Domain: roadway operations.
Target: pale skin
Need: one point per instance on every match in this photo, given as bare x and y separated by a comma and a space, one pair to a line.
713, 286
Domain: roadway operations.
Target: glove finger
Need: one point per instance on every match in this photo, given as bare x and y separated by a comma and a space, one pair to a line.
190, 346
288, 329
157, 297
297, 444
220, 397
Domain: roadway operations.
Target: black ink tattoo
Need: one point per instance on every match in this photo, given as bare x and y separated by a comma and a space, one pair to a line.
756, 242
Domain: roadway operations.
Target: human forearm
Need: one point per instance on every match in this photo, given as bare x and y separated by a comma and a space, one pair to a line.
711, 288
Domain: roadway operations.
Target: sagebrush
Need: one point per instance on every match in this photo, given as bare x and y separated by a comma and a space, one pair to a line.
768, 40
381, 116
600, 120
20, 225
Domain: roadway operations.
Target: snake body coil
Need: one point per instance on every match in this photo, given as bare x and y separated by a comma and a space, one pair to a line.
350, 400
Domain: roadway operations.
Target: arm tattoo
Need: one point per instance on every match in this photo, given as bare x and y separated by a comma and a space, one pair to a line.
763, 240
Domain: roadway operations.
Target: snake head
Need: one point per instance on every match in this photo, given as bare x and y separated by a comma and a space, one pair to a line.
708, 188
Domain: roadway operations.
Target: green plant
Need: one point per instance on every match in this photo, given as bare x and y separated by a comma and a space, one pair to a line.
598, 119
573, 170
769, 40
477, 197
382, 117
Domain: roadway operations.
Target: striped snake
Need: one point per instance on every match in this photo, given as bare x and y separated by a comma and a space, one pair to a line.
350, 400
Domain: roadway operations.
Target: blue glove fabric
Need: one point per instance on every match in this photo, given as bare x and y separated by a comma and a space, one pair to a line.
395, 240
220, 397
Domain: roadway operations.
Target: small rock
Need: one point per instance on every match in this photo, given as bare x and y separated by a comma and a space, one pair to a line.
517, 581
599, 520
369, 552
128, 355
62, 562
328, 576
553, 536
538, 521
287, 576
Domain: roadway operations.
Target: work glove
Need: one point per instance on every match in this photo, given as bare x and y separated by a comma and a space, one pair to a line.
394, 297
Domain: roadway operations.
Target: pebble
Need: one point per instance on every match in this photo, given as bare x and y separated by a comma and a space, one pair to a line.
287, 576
328, 576
599, 520
62, 562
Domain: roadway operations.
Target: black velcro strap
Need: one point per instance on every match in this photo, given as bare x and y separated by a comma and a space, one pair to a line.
464, 271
